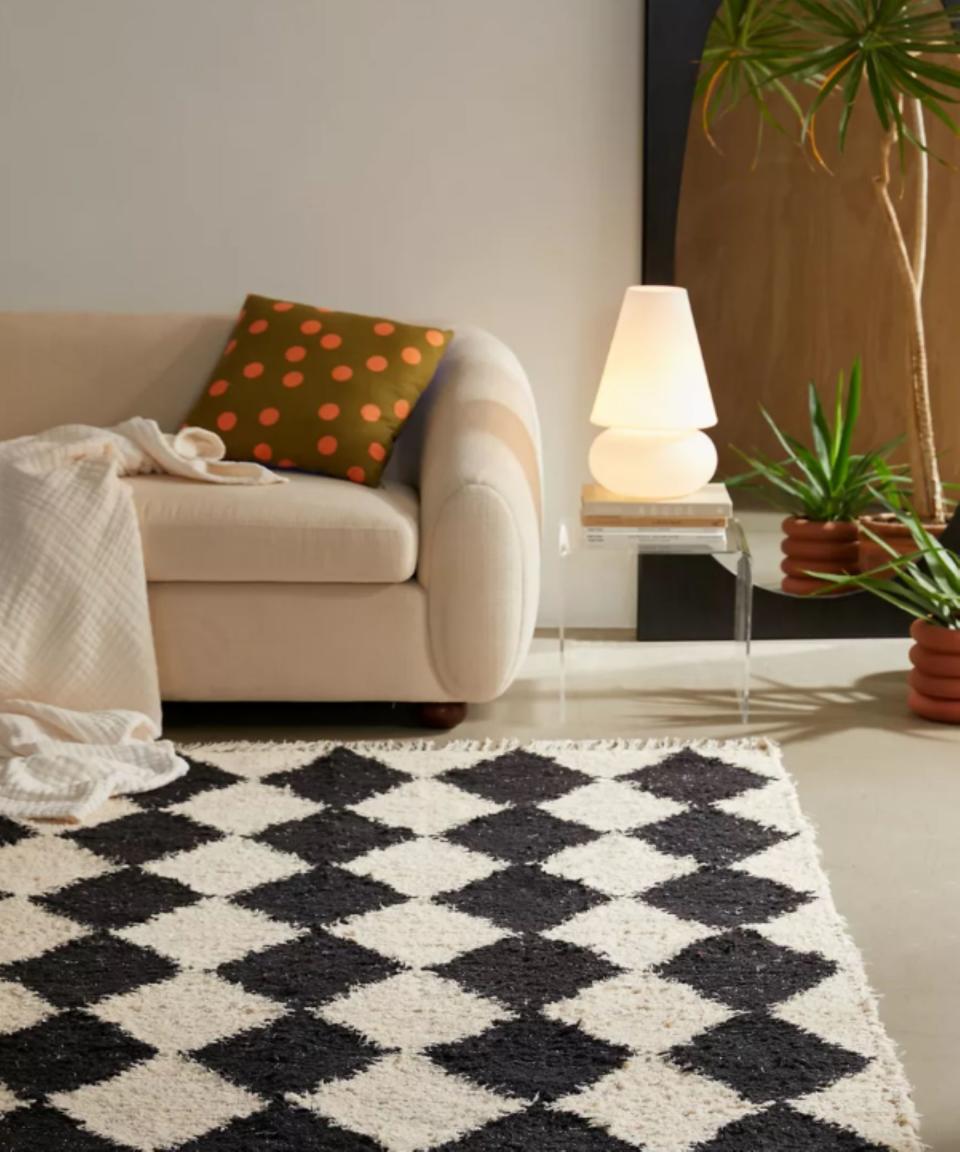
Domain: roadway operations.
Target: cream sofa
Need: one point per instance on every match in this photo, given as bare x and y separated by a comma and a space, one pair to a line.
424, 589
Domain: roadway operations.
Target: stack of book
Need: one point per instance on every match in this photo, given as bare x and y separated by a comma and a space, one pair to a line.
699, 520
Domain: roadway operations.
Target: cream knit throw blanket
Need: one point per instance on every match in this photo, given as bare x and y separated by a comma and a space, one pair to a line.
79, 695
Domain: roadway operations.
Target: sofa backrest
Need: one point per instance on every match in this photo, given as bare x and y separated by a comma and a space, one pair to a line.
100, 368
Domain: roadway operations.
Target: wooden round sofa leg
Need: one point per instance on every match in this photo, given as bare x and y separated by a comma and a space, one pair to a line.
446, 715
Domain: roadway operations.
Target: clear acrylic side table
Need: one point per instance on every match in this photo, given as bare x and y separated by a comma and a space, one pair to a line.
572, 539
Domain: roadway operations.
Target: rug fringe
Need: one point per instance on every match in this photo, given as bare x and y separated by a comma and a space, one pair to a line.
649, 744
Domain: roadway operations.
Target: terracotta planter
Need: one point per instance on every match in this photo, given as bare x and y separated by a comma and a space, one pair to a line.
897, 535
935, 677
816, 546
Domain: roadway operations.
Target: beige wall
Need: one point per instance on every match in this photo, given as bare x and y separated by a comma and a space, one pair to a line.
449, 158
792, 274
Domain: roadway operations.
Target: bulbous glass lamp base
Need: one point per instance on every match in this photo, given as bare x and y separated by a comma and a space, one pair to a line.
653, 465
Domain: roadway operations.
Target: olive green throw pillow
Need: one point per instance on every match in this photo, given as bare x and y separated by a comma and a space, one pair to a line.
303, 387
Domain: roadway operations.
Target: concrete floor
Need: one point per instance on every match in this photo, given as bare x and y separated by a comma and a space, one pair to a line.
882, 788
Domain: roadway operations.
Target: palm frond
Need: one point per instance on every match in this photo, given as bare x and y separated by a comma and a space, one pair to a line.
770, 51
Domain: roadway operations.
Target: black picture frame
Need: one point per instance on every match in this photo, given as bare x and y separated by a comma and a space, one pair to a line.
675, 32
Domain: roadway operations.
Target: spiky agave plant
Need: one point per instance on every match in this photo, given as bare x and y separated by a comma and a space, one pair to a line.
797, 55
828, 480
925, 583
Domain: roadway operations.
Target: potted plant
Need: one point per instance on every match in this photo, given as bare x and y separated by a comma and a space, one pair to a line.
927, 587
824, 488
890, 529
895, 58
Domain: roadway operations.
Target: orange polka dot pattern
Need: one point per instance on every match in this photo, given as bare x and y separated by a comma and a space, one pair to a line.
302, 387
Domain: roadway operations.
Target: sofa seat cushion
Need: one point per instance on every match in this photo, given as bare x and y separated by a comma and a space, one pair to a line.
313, 530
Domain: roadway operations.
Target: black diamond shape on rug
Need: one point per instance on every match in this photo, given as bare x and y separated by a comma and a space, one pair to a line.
725, 898
332, 837
710, 836
84, 971
201, 778
532, 1057
528, 971
340, 778
310, 970
694, 779
119, 898
524, 898
539, 1130
11, 832
279, 1128
764, 1059
517, 777
781, 1129
521, 835
43, 1129
745, 970
63, 1053
294, 1054
144, 836
326, 894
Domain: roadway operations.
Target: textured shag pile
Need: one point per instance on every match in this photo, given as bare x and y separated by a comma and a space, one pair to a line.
600, 947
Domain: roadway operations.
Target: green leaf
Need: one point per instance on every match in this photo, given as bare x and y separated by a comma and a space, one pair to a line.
929, 69
928, 96
828, 15
819, 426
880, 95
939, 560
842, 463
850, 89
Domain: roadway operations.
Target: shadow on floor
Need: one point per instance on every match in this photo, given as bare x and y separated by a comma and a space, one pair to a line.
193, 722
786, 712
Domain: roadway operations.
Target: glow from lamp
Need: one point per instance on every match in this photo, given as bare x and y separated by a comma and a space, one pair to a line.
653, 399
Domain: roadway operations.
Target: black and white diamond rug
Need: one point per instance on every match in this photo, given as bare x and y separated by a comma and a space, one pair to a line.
566, 947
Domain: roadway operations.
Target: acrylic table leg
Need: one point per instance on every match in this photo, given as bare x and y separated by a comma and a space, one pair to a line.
743, 625
563, 561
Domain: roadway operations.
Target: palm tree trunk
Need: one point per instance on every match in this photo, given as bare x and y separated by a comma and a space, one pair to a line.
927, 487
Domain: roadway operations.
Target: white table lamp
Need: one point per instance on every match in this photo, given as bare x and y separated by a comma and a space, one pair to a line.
653, 399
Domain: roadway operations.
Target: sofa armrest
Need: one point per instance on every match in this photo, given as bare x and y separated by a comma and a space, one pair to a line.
480, 516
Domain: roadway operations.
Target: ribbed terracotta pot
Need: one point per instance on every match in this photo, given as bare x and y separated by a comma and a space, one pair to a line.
816, 546
935, 677
894, 533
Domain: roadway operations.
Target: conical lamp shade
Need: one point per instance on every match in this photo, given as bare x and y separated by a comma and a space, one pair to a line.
654, 378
